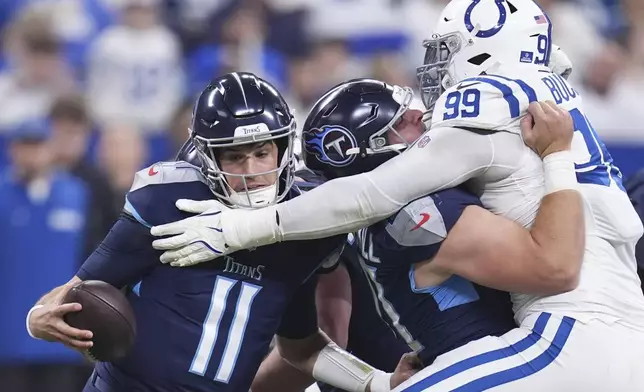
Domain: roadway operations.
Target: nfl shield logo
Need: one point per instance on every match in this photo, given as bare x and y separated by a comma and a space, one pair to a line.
526, 57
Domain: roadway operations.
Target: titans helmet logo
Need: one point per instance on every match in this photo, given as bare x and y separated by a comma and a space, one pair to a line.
330, 144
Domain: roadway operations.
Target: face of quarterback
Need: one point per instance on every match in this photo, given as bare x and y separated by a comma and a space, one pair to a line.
410, 126
241, 162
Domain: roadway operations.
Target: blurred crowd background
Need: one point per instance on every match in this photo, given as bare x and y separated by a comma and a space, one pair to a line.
93, 90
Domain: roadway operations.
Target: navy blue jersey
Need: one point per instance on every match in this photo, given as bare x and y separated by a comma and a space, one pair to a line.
206, 327
370, 338
432, 320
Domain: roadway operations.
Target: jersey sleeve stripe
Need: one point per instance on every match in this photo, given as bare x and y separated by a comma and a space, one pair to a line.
529, 91
508, 94
455, 291
136, 289
129, 208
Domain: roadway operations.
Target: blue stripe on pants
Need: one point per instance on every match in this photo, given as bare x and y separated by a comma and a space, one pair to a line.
504, 376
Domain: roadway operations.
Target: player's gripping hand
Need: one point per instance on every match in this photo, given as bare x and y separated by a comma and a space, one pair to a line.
193, 240
47, 322
408, 365
547, 128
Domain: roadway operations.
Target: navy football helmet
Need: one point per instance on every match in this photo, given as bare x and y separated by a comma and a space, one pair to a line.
188, 153
346, 132
236, 109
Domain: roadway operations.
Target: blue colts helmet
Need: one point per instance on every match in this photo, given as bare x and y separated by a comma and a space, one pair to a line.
237, 109
347, 130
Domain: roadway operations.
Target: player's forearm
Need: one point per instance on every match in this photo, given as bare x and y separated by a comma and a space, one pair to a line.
559, 228
347, 204
302, 353
275, 374
334, 304
326, 362
496, 252
559, 232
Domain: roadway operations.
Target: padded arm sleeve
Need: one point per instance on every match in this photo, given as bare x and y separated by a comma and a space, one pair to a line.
347, 204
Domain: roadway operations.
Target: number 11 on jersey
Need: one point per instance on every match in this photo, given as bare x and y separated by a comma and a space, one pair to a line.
235, 334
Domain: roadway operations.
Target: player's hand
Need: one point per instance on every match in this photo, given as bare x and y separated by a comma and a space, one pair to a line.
547, 128
47, 323
408, 365
193, 240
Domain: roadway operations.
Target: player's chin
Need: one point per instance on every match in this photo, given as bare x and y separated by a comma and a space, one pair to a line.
251, 188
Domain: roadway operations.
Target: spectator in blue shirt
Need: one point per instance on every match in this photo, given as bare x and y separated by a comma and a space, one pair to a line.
43, 214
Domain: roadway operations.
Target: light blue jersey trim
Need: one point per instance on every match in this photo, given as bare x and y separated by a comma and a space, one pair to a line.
129, 208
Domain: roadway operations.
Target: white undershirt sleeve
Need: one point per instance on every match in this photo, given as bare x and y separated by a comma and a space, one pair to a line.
347, 204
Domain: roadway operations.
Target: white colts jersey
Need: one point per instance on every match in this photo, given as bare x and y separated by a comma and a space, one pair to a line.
512, 186
136, 76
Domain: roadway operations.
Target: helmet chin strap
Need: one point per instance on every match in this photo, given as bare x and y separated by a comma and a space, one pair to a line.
259, 197
394, 147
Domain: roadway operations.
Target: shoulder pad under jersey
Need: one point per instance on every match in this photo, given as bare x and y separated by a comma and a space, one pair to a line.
151, 199
419, 223
489, 102
426, 221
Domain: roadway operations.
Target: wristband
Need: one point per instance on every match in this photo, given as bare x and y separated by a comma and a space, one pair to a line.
246, 229
342, 370
559, 172
36, 307
381, 382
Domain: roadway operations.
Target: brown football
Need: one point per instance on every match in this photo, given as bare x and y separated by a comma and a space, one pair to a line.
108, 314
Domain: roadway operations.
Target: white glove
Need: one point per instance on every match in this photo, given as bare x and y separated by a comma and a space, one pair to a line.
193, 240
215, 232
560, 64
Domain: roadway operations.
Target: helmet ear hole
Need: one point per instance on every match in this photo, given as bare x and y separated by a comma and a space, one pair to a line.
479, 59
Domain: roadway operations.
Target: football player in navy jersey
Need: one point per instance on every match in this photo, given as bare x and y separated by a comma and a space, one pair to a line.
432, 262
364, 332
347, 313
368, 336
425, 301
208, 328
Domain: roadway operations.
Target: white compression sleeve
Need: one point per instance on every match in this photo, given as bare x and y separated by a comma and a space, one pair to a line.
337, 367
347, 204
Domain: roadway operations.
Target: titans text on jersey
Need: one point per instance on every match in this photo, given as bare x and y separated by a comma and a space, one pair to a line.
208, 327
